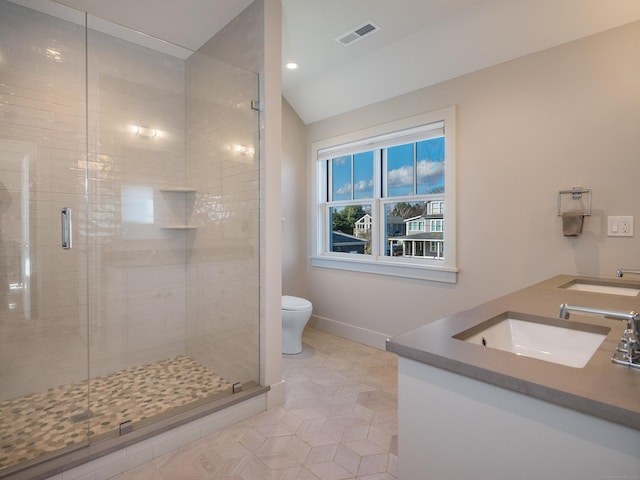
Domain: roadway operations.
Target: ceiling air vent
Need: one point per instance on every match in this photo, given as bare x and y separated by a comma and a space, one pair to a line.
354, 35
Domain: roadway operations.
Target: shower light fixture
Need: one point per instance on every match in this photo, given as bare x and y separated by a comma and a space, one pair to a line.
146, 132
291, 65
53, 54
243, 149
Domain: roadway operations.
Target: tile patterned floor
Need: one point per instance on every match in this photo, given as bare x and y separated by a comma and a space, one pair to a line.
339, 422
59, 415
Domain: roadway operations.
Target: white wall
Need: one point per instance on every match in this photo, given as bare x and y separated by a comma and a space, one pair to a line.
294, 203
568, 116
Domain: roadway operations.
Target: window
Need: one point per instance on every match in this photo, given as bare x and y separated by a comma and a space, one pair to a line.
436, 225
435, 208
381, 194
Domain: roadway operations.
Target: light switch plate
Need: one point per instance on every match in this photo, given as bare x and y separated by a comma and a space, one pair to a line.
620, 226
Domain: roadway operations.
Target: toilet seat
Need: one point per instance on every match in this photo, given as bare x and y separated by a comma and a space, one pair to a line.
294, 303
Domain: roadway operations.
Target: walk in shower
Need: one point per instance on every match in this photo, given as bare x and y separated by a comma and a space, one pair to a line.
129, 241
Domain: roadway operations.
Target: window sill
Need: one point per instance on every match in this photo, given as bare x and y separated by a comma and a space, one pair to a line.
380, 267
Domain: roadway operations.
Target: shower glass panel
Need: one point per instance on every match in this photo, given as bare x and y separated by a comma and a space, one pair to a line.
43, 301
153, 308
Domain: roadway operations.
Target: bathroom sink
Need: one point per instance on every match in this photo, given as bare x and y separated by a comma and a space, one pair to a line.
602, 287
553, 340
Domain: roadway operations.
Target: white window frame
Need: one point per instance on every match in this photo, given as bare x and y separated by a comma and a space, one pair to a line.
439, 270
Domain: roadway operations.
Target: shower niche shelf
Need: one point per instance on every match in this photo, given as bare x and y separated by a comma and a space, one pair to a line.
178, 227
183, 190
179, 189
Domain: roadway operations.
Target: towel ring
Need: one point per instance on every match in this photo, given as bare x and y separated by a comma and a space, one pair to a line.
576, 194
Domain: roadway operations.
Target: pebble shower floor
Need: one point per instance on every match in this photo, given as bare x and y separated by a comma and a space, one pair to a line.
45, 422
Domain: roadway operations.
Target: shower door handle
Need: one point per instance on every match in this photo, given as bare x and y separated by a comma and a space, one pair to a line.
66, 228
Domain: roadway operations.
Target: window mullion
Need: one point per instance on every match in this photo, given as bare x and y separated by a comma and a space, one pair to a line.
353, 186
325, 240
329, 183
382, 165
379, 180
375, 228
415, 168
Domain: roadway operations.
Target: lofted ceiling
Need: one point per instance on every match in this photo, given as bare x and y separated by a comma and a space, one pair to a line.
420, 42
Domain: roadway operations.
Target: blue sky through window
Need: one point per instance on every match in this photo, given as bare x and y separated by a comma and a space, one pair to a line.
363, 175
430, 161
341, 178
400, 167
361, 186
407, 172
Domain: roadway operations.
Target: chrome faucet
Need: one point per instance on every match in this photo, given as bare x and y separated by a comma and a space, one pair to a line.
621, 271
628, 350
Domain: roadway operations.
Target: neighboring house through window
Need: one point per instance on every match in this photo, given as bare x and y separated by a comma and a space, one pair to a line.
363, 226
423, 237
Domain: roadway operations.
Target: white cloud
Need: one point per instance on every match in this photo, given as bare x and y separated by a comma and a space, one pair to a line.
363, 186
344, 190
430, 168
400, 177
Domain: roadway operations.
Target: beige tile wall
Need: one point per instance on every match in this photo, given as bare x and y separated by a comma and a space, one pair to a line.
222, 268
137, 296
143, 278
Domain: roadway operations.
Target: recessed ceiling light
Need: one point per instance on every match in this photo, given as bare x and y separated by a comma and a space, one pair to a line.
291, 65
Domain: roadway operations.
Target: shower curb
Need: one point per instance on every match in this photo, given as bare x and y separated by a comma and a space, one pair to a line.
158, 438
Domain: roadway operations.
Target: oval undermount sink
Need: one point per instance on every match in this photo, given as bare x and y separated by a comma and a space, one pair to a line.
553, 340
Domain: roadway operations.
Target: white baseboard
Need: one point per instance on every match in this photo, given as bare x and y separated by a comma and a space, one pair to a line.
350, 332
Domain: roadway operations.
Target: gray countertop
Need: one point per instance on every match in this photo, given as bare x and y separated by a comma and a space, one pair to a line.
601, 388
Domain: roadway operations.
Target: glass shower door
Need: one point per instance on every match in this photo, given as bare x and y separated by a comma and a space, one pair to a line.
43, 284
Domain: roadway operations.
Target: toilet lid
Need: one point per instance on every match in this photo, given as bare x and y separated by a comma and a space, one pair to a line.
294, 303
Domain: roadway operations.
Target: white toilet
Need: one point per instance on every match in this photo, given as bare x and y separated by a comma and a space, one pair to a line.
296, 312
